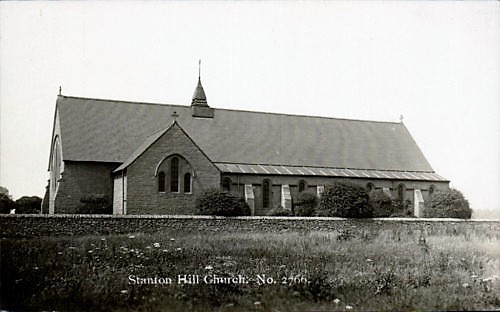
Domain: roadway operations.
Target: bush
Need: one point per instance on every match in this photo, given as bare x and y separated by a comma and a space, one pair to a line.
280, 212
381, 203
216, 203
447, 204
402, 208
95, 204
305, 204
29, 204
6, 203
345, 200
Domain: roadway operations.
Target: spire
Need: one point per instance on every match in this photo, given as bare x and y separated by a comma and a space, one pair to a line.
199, 105
199, 97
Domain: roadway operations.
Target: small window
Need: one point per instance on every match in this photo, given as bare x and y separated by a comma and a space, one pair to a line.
401, 191
161, 182
370, 187
302, 186
187, 183
226, 185
431, 189
266, 193
174, 175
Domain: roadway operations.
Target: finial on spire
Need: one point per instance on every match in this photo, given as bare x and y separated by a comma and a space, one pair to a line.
401, 117
60, 90
175, 115
199, 69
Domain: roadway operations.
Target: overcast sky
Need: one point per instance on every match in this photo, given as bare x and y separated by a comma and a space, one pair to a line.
435, 63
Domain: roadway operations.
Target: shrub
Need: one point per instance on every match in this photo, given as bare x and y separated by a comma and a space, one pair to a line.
6, 203
29, 204
216, 203
305, 204
95, 204
280, 212
345, 200
381, 203
402, 208
447, 204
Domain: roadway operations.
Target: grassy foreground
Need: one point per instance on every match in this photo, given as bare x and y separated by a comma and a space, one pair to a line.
320, 271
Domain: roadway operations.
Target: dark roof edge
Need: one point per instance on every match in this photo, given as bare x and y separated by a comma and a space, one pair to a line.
233, 110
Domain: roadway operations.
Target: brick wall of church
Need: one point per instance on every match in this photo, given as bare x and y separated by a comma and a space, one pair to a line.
312, 182
142, 184
81, 179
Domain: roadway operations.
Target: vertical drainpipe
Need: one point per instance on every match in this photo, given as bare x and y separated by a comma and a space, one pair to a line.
123, 193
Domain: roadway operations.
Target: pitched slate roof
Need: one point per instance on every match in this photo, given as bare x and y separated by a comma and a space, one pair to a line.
111, 131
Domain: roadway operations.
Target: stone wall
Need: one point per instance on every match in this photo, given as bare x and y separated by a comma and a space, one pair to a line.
26, 226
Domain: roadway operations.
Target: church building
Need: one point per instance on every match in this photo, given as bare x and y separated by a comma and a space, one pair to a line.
158, 158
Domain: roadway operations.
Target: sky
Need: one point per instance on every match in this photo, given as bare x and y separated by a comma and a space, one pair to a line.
435, 63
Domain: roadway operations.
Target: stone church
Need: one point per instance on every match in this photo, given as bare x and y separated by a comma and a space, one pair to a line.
158, 158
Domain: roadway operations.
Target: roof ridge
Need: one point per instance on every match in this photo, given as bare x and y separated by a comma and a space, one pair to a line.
233, 110
122, 101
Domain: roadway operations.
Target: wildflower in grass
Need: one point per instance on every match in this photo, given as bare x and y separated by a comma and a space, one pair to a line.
369, 260
465, 285
103, 239
209, 267
59, 253
336, 300
165, 250
124, 291
90, 251
131, 236
348, 307
172, 239
156, 245
178, 249
257, 303
71, 247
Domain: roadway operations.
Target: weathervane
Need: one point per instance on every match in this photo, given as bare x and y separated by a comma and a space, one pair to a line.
60, 90
401, 118
199, 68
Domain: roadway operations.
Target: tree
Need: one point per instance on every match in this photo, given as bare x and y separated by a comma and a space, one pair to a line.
29, 204
6, 203
345, 200
449, 203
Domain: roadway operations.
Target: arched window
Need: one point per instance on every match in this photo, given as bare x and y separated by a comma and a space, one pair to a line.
370, 187
226, 185
174, 175
266, 193
302, 185
161, 182
187, 182
56, 164
431, 189
401, 191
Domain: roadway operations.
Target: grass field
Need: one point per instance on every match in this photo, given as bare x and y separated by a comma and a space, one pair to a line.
311, 271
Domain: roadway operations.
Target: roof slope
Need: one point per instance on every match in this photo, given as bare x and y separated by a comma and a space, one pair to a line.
106, 130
